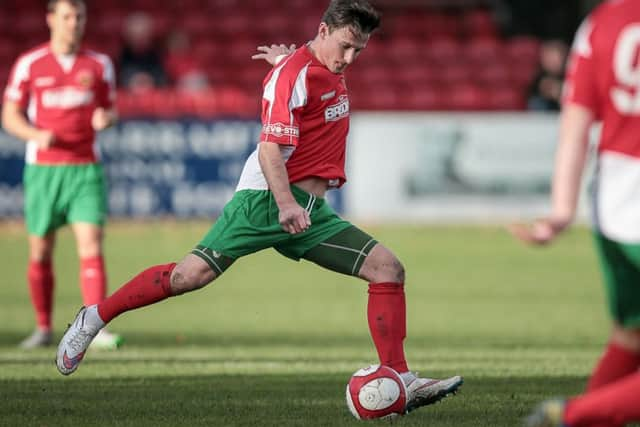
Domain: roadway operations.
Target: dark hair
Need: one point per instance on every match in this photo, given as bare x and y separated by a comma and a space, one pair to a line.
357, 14
51, 4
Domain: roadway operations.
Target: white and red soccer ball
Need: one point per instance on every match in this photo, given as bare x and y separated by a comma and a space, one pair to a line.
376, 392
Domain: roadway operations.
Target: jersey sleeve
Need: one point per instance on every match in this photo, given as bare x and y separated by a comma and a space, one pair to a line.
285, 92
106, 90
17, 89
580, 83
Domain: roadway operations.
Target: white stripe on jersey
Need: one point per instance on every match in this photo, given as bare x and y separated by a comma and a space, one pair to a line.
616, 197
109, 74
298, 95
21, 72
252, 177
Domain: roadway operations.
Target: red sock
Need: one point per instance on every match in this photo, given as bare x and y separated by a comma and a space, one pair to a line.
41, 284
612, 404
152, 285
93, 280
386, 313
615, 363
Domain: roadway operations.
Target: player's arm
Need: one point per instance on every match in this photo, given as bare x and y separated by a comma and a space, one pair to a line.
292, 217
105, 115
15, 122
575, 123
103, 118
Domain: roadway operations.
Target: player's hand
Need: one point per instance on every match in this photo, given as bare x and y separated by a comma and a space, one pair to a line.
294, 218
540, 232
45, 139
271, 53
101, 119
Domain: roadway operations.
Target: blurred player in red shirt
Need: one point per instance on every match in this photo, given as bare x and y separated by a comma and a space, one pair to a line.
279, 203
57, 97
602, 84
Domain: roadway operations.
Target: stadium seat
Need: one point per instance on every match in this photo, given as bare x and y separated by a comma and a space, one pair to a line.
443, 50
423, 98
506, 98
522, 49
483, 49
468, 97
479, 23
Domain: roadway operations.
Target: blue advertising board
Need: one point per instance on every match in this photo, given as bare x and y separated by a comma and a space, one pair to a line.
182, 168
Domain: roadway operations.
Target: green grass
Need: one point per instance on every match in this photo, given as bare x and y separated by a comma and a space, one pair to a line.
273, 342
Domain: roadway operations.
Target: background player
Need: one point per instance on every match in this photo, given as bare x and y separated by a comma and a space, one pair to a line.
280, 203
58, 95
602, 84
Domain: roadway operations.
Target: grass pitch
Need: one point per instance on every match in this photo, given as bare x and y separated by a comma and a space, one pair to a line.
273, 342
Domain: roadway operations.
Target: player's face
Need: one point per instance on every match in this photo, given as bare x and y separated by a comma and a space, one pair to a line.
67, 23
340, 47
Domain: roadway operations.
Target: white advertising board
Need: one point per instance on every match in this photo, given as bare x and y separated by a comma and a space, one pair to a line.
420, 167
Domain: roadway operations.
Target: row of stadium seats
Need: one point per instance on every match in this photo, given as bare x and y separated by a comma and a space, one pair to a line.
232, 102
422, 58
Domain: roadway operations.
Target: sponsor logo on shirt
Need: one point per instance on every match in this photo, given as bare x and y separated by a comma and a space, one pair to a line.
337, 111
44, 81
328, 95
66, 97
279, 130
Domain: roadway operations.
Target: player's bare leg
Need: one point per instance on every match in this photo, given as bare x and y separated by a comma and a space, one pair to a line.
386, 314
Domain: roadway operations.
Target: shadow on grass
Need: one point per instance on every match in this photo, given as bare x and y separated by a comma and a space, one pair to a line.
255, 400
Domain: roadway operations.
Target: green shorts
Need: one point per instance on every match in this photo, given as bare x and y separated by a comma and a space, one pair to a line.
249, 223
621, 268
66, 194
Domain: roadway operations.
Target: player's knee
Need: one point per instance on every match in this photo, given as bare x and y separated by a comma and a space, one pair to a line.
186, 280
397, 270
628, 338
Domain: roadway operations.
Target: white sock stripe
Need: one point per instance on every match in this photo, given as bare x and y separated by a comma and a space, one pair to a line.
206, 255
353, 270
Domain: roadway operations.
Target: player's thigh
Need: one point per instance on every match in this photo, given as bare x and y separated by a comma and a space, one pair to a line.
86, 194
43, 210
621, 268
344, 252
248, 223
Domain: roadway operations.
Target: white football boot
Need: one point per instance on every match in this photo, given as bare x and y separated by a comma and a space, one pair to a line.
76, 339
426, 391
39, 338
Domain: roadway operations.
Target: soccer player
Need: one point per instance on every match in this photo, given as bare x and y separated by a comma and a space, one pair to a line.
602, 85
279, 203
57, 96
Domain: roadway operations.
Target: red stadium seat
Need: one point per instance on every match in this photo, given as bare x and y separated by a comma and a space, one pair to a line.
468, 97
403, 49
522, 49
507, 98
483, 49
456, 73
479, 23
423, 98
443, 50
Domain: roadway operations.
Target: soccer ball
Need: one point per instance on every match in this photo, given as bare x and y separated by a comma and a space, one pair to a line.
376, 392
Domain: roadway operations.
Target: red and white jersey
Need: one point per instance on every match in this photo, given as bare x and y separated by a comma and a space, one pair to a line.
604, 76
60, 93
305, 109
